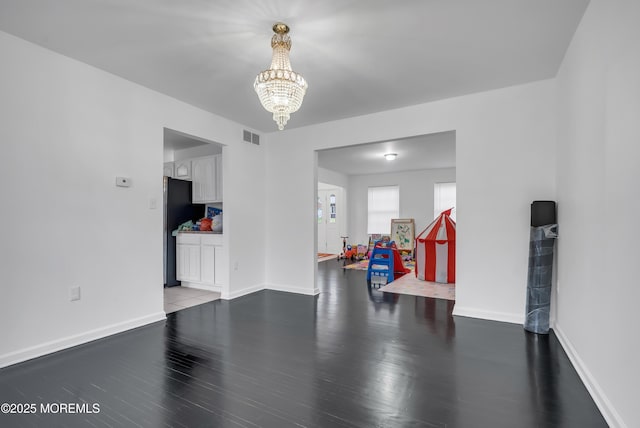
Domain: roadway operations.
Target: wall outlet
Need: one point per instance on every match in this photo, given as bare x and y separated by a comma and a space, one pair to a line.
74, 293
123, 182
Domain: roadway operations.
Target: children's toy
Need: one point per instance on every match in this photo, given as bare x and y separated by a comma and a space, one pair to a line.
385, 263
343, 254
436, 250
361, 252
350, 253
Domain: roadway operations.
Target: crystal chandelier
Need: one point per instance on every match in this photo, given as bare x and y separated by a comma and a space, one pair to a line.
279, 88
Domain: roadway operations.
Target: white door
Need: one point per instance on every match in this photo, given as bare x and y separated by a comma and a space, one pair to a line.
330, 220
322, 241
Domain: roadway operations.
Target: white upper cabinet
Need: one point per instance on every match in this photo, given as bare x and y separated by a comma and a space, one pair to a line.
206, 173
168, 169
182, 169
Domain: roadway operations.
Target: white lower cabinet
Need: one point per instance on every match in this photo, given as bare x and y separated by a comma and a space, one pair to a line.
200, 260
188, 264
208, 258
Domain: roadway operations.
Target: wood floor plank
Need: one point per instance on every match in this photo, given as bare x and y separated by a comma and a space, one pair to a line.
352, 356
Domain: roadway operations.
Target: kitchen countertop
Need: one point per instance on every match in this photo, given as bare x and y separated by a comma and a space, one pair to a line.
200, 231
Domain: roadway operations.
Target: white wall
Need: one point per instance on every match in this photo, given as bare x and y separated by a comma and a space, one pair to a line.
168, 154
598, 206
245, 217
416, 197
333, 177
196, 152
504, 139
292, 223
69, 130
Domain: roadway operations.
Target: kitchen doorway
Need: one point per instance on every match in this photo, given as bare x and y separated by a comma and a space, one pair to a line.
192, 185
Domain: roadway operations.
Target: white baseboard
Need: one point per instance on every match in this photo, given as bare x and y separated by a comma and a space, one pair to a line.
78, 339
609, 413
292, 289
488, 315
260, 287
226, 295
215, 288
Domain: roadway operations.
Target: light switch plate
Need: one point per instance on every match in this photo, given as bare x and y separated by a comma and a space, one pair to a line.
74, 293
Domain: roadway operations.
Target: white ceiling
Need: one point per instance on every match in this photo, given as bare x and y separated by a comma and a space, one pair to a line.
175, 140
359, 56
415, 153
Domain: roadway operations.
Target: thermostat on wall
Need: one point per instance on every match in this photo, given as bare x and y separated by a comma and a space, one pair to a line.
123, 182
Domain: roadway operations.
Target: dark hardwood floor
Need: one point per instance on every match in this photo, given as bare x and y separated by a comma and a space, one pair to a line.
350, 357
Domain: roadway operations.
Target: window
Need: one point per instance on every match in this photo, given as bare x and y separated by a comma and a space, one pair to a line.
332, 205
444, 197
384, 204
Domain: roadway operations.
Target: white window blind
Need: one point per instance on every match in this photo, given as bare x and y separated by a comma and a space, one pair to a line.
384, 204
444, 197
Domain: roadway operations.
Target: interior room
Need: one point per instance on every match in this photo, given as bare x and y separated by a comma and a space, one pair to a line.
189, 164
420, 162
416, 169
542, 99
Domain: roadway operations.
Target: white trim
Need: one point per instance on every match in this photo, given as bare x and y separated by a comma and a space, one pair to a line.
226, 295
198, 286
291, 289
488, 315
605, 406
77, 339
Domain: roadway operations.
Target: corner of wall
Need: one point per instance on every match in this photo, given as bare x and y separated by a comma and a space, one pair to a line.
469, 312
605, 406
226, 295
293, 289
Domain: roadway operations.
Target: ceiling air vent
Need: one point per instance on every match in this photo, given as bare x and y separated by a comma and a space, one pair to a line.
250, 137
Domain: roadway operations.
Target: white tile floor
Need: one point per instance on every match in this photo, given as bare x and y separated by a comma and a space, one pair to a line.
177, 298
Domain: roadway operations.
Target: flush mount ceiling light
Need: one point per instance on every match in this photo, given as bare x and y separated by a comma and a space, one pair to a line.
279, 88
390, 156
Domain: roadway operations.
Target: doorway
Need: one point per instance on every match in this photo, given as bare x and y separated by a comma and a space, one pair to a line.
191, 172
331, 218
419, 166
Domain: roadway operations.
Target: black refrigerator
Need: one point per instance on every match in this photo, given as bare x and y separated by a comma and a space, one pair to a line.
177, 209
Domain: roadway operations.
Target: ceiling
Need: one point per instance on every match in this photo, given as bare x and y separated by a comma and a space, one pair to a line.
415, 153
359, 56
175, 140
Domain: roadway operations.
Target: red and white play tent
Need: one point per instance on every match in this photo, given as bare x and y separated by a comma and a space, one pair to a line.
436, 250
